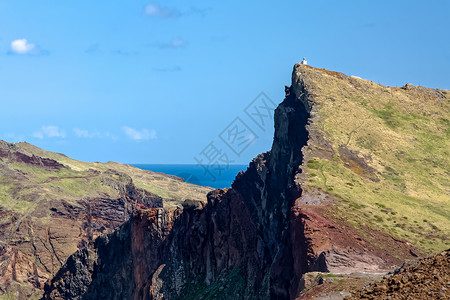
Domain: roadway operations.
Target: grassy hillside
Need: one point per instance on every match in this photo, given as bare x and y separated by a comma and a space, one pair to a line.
168, 187
388, 165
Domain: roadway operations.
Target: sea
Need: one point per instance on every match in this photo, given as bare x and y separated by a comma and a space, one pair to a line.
215, 177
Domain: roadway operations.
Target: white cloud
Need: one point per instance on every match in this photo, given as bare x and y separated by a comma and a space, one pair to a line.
86, 134
82, 133
138, 135
156, 10
49, 131
21, 46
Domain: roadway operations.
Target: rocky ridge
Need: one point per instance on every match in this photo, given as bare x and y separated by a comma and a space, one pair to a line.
260, 238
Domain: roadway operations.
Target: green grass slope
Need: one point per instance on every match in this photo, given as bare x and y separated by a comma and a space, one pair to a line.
384, 155
72, 181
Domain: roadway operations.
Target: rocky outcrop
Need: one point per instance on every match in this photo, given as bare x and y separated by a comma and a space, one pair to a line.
428, 278
255, 240
16, 156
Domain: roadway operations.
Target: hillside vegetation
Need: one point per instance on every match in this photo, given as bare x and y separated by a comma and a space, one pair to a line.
382, 153
81, 179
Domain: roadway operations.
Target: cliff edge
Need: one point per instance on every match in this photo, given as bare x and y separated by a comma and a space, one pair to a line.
338, 192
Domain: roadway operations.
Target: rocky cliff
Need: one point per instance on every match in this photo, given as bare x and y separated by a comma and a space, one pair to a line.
51, 206
239, 240
284, 217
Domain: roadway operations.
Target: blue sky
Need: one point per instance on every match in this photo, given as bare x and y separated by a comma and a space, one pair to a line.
157, 82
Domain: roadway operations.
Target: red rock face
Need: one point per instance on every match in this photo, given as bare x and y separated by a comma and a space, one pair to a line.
31, 160
322, 243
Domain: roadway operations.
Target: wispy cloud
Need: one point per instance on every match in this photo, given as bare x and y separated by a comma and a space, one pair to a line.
173, 44
96, 48
125, 52
82, 133
159, 11
23, 47
49, 132
200, 11
176, 43
93, 49
111, 136
164, 12
139, 135
90, 134
168, 69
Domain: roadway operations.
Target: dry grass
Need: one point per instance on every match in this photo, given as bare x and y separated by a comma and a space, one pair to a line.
21, 185
400, 133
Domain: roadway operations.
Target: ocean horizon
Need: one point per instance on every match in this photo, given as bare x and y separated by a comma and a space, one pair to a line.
211, 176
